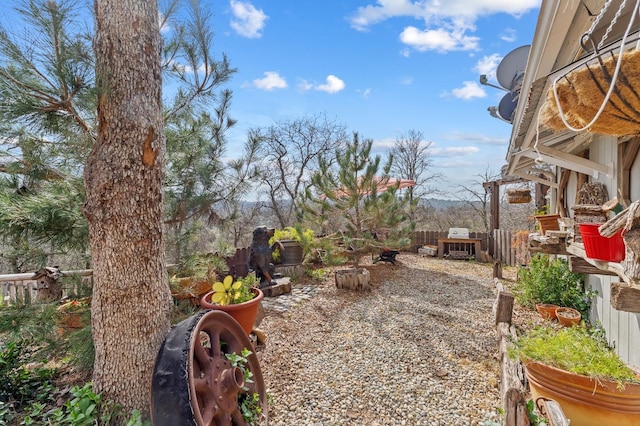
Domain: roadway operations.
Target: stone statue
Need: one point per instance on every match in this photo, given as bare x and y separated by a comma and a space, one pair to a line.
260, 255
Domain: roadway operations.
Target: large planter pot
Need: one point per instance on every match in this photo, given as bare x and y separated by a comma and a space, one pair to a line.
245, 313
586, 401
292, 253
568, 316
548, 222
547, 310
353, 279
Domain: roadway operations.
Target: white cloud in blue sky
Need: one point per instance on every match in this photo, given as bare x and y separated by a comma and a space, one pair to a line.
247, 20
333, 85
469, 90
381, 67
447, 24
271, 81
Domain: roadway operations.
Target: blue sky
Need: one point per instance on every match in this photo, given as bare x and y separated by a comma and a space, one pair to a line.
381, 68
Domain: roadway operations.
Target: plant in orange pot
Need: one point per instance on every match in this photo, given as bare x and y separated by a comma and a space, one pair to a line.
239, 298
549, 283
576, 367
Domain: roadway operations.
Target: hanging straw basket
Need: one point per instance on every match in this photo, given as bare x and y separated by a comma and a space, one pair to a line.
582, 91
518, 196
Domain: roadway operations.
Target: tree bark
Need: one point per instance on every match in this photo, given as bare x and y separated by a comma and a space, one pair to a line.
123, 178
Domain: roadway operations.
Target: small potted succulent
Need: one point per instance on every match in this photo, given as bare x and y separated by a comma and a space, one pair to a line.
238, 298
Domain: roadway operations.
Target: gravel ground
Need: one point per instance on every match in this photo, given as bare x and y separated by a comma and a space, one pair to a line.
420, 349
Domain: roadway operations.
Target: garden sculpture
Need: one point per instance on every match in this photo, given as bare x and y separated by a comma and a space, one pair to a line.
260, 254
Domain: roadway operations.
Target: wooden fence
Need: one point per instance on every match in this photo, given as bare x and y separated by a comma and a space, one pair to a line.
23, 288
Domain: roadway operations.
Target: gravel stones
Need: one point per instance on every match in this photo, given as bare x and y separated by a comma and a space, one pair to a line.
417, 350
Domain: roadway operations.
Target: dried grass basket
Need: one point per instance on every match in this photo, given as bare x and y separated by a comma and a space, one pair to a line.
582, 91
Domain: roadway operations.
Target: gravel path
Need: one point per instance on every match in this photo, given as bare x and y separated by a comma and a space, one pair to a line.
417, 350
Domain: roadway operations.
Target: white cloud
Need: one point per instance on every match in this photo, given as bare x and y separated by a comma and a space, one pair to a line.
478, 138
508, 35
271, 81
365, 93
488, 64
304, 85
453, 151
469, 90
440, 39
447, 24
435, 10
333, 85
248, 21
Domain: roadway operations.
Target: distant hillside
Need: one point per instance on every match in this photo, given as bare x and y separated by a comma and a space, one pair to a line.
442, 204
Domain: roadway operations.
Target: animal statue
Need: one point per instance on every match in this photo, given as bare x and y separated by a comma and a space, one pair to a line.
260, 254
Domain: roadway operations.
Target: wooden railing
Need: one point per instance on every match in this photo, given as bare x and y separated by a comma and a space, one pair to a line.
23, 288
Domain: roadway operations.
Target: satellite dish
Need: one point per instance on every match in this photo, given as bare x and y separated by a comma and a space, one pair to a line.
511, 69
507, 106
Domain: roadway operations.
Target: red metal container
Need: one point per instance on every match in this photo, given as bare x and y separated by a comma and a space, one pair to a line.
602, 248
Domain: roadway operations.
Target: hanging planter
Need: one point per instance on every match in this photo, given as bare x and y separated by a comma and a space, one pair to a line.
602, 94
518, 196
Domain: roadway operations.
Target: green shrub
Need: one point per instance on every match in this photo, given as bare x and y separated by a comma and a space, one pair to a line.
551, 281
20, 385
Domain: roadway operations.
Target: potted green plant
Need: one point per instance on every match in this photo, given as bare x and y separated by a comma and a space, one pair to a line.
578, 369
297, 243
238, 298
194, 275
550, 282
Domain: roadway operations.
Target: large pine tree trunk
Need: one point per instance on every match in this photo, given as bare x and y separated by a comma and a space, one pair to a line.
123, 176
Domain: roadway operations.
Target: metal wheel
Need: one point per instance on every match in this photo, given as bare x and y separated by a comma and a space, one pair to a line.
193, 380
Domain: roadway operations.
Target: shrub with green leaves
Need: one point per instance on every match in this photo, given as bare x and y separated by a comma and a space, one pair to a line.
20, 385
551, 281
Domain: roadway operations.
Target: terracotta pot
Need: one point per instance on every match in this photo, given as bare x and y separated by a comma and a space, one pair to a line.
586, 401
568, 316
245, 313
547, 310
548, 222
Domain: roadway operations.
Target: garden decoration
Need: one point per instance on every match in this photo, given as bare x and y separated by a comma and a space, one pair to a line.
239, 298
205, 374
601, 93
260, 255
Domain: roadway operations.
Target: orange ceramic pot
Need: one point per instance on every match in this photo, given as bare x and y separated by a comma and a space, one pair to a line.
586, 401
245, 313
547, 310
568, 316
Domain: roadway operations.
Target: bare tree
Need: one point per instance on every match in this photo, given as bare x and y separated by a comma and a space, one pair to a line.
477, 199
412, 160
291, 150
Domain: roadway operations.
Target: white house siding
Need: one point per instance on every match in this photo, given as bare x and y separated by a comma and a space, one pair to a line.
622, 328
